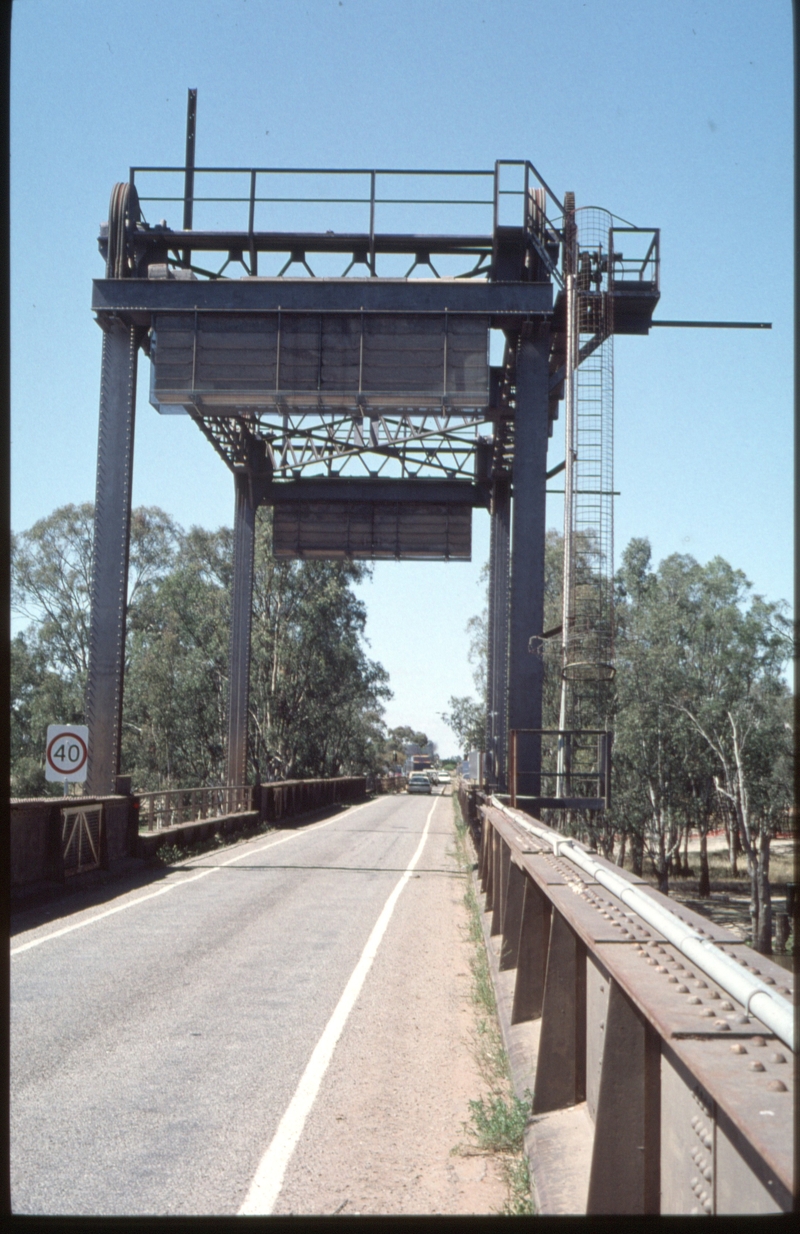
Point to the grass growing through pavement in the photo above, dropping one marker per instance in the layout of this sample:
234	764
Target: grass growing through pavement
497	1121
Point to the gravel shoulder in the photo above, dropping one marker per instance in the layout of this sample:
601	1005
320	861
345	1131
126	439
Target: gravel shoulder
396	1096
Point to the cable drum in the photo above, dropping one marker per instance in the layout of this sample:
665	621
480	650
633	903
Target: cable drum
123	215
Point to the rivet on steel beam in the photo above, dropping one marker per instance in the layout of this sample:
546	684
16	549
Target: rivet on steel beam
707	1173
754	1066
726	1006
672	978
742	1019
769	981
706	1011
738	1048
661	969
707	1140
758	1041
695	1121
777	1058
722	1025
713	993
784	989
701	985
707	1206
694	1001
776	1086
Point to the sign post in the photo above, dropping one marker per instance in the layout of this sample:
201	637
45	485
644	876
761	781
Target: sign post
67	753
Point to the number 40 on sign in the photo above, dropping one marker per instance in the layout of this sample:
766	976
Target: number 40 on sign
67	753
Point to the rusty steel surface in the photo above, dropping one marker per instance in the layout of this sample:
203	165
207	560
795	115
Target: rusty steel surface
753	1081
747	1072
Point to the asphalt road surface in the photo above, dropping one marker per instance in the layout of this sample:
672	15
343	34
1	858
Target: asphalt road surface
159	1036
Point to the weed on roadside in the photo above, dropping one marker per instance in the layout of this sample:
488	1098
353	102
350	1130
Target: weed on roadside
497	1121
498	1124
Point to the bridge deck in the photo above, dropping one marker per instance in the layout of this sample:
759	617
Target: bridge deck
157	1048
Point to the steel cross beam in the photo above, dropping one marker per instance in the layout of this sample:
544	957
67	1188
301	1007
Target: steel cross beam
137	299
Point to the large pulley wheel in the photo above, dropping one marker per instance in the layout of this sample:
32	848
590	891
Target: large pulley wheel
123	215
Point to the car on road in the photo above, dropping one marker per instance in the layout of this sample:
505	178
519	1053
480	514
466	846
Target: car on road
418	782
443	776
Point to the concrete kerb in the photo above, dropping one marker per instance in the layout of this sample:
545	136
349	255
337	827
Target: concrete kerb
184	835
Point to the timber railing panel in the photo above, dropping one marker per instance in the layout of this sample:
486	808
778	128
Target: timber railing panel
173	806
690	1095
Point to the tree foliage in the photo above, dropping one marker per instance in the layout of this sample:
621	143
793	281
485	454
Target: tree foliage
702	722
316	698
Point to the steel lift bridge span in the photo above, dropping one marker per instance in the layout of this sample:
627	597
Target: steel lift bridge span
341	371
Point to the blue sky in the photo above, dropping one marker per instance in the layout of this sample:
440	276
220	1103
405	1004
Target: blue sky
674	115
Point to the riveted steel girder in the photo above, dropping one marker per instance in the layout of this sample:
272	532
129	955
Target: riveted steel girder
110	555
244	525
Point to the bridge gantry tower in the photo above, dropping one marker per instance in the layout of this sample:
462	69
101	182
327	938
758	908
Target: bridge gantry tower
343	376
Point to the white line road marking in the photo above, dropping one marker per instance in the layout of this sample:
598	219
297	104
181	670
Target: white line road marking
266	1185
151	895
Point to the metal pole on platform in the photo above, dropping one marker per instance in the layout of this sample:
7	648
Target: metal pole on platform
188	177
244	527
112	519
525	671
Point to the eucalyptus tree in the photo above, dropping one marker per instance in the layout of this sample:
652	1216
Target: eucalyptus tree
702	724
51	565
738	705
175	700
316	699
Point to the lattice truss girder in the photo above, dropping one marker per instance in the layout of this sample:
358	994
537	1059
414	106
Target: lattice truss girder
401	443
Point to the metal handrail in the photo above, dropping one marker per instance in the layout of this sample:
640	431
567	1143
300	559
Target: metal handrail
755	995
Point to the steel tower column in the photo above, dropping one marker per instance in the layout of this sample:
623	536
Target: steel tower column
110	552
489	743
244	535
527	552
498	631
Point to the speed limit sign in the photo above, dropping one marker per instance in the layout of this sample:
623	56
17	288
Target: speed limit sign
67	753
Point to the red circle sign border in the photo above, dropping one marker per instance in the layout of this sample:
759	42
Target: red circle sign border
80	742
